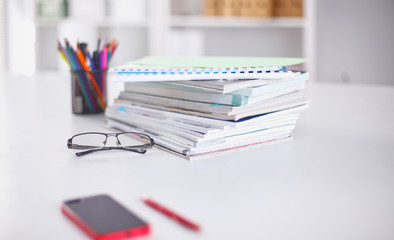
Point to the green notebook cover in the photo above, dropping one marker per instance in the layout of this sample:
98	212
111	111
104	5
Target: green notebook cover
218	62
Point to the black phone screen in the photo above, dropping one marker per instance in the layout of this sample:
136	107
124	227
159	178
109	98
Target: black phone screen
103	214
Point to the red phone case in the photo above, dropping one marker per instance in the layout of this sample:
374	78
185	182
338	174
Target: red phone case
122	234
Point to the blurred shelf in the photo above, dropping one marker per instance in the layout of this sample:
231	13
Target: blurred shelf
106	22
102	22
235	22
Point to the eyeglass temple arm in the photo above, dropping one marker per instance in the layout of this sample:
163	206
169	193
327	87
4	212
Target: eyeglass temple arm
141	151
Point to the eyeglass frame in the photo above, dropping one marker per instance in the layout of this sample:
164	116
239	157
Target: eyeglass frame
137	148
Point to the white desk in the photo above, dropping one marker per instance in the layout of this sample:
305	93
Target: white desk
335	180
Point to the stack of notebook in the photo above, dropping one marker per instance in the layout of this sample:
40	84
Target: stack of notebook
199	107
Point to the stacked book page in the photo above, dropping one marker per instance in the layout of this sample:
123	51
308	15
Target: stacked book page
199	117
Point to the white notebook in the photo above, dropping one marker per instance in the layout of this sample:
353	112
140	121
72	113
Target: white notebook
136	73
203	68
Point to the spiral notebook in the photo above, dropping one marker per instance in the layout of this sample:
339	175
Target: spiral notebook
204	68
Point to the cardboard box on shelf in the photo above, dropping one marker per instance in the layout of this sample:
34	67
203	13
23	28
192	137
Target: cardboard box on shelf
288	8
257	8
210	7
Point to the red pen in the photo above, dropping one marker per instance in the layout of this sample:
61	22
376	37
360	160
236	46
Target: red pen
171	214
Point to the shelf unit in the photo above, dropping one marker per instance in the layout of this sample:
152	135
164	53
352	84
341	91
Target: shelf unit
162	25
170	21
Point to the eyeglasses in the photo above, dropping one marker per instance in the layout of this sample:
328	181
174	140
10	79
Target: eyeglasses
96	141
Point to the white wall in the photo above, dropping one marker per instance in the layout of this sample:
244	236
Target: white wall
2	35
20	36
355	41
254	42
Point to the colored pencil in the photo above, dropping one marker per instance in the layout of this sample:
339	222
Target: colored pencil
92	79
83	85
103	66
92	65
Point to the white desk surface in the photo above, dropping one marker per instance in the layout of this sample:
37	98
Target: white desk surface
334	180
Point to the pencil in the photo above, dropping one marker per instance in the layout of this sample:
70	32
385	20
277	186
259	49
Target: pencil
85	80
98	43
113	51
93	80
92	65
103	66
63	53
63	56
103	58
83	87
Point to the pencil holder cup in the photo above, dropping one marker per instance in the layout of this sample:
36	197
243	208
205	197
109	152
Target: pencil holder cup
88	91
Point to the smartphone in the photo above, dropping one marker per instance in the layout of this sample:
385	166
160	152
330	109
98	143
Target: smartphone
102	217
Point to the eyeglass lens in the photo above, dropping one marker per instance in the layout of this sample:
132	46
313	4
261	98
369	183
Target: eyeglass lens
96	140
132	139
93	140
